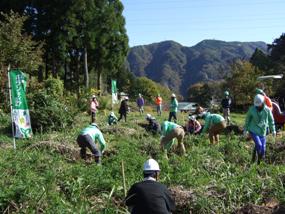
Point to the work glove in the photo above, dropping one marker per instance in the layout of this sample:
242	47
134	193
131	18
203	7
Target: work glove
274	134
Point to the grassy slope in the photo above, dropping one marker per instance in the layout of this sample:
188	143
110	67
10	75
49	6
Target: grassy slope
221	178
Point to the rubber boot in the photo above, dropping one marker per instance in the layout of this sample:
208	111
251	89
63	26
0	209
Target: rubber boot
98	160
259	158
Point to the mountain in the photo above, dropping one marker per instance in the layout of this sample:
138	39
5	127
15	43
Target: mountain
178	67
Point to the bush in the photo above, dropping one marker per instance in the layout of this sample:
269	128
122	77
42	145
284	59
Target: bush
54	87
49	113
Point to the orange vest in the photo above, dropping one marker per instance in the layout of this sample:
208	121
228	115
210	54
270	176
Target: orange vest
158	101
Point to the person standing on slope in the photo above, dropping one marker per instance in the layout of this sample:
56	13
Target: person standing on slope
124	108
140	103
258	119
158	103
149	196
173	108
94	105
267	100
226	105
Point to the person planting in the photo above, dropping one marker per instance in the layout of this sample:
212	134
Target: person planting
193	126
173	108
112	119
150	196
87	138
153	126
169	132
258	119
214	124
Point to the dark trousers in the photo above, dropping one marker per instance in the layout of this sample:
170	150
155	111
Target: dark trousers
93	117
172	114
123	115
86	141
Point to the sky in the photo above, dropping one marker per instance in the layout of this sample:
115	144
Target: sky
191	21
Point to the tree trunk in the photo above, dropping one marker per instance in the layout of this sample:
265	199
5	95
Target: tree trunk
46	71
40	74
99	80
78	76
86	74
54	74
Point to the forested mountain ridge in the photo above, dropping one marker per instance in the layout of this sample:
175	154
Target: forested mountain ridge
178	67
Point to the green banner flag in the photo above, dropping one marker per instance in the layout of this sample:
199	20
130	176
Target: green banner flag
114	92
20	111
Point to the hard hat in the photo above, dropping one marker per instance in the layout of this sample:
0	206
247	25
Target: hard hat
148	116
226	93
151	165
173	95
258	100
259	91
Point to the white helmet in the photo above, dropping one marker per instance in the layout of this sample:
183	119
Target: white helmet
148	116
173	95
258	100
112	114
151	165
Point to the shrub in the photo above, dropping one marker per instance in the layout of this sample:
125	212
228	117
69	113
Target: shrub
54	87
49	113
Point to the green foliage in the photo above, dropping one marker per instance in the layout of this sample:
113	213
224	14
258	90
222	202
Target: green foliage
54	87
219	178
49	112
148	88
18	49
242	83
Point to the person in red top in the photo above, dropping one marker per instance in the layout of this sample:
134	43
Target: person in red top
158	102
94	105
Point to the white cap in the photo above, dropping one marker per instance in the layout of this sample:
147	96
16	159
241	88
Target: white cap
148	116
140	94
258	100
126	98
151	165
192	117
112	114
93	96
173	95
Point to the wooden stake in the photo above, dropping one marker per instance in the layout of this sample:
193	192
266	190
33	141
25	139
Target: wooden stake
124	179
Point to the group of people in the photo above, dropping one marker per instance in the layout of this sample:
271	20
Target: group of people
149	196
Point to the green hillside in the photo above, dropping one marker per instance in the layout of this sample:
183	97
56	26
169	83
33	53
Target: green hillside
177	67
45	174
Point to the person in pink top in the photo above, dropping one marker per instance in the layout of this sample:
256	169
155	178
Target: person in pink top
94	105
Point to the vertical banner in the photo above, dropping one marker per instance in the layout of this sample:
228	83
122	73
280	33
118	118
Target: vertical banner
20	111
114	92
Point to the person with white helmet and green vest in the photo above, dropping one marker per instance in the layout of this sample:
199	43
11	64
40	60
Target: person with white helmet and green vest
258	119
173	108
87	138
226	105
150	196
112	119
169	132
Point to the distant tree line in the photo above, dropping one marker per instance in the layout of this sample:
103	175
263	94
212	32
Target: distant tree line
242	80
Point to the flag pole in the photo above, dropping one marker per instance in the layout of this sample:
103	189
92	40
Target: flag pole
11	107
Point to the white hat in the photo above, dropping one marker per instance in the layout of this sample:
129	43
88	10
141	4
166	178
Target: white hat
148	116
112	114
126	98
151	165
94	124
173	95
192	117
258	100
93	96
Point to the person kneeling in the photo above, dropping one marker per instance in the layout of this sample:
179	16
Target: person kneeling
153	126
112	119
